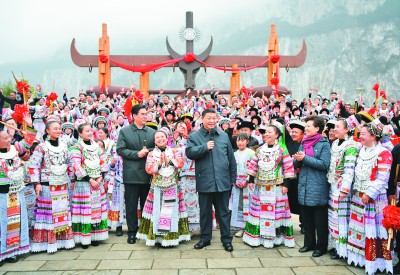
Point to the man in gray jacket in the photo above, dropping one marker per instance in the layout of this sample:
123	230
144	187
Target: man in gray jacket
134	143
215	173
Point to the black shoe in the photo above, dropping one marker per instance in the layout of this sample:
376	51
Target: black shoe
85	246
95	243
118	231
306	249
12	260
318	253
131	239
335	256
201	245
228	247
332	251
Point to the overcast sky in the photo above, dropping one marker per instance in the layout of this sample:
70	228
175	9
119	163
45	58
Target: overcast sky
40	31
31	30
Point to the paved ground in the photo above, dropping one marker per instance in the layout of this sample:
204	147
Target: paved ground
115	256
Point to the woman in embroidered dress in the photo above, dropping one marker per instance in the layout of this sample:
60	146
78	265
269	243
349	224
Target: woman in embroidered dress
114	189
164	218
269	222
41	112
14	231
367	238
29	189
239	202
187	179
48	170
344	152
89	204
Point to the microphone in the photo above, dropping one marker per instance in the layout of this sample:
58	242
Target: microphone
212	133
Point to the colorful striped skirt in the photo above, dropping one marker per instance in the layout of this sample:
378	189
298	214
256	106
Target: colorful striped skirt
367	238
191	198
30	199
89	213
45	236
269	222
338	219
116	202
14	238
164	217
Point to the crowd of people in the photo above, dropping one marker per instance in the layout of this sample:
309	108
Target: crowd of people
74	169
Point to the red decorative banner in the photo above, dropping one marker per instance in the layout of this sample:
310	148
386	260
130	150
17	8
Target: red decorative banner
188	58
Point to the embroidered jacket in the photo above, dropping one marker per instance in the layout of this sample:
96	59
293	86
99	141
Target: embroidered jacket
10	163
86	162
41	161
373	170
164	174
343	159
271	164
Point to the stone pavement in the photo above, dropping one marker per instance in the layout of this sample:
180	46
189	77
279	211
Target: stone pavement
115	256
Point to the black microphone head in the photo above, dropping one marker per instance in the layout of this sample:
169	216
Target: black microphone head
212	133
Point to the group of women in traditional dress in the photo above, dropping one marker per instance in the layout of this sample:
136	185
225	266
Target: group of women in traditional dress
79	191
342	193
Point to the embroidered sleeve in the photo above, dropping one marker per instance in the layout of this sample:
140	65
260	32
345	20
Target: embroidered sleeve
349	160
288	169
151	165
178	159
104	166
35	164
252	165
75	156
24	145
380	175
114	155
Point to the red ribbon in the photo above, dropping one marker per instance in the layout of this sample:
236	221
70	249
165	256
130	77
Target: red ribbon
231	69
103	58
189	57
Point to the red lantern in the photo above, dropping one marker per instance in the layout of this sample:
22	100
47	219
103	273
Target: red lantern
275	58
189	57
275	81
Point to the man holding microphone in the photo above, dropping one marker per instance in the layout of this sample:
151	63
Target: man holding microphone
215	173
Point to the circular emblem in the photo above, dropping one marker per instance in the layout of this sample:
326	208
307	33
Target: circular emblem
189	34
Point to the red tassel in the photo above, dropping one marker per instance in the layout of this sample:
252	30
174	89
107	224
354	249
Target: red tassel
19	111
53	96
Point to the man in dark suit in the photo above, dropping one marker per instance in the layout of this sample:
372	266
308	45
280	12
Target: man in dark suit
215	173
134	143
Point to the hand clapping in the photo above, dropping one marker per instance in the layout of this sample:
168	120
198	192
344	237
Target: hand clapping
299	156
